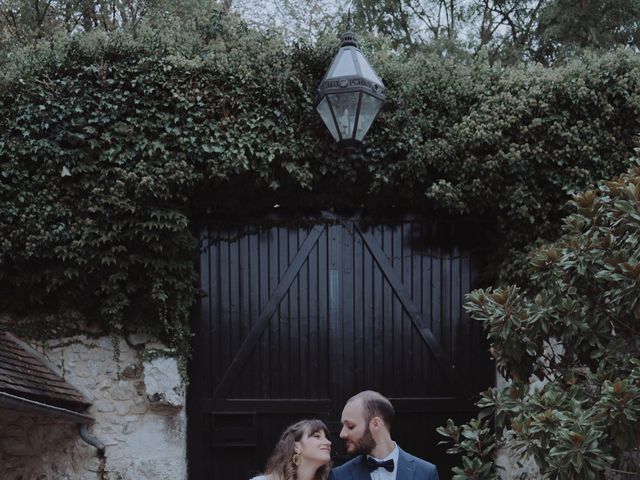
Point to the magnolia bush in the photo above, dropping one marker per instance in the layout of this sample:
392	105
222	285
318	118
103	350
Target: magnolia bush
575	328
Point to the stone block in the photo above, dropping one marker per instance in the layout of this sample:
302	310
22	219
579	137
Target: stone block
80	370
79	348
139	408
105	343
104	384
130	427
122	408
131	371
154	469
104	406
92	464
140	339
163	383
122	392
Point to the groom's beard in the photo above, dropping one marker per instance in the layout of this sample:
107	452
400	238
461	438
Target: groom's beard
365	444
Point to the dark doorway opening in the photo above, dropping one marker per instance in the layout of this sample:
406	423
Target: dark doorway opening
296	319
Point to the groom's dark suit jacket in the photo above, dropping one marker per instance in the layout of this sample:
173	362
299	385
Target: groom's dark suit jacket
409	468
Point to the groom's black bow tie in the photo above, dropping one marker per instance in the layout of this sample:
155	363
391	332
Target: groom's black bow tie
372	464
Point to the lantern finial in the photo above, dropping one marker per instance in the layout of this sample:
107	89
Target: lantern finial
349	38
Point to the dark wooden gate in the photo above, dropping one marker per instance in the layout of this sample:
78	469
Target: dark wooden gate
297	319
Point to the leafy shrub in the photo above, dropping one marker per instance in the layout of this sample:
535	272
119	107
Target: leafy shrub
576	329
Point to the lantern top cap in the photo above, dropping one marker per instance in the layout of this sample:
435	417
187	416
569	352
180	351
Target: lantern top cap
349	39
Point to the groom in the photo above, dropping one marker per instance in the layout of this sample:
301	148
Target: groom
366	427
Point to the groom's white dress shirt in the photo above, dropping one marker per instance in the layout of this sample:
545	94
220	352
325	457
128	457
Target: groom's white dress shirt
381	473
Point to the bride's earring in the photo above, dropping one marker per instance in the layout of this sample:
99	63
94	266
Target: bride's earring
296	459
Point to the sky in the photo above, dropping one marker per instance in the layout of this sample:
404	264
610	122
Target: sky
294	18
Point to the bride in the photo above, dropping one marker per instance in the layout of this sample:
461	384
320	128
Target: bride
302	453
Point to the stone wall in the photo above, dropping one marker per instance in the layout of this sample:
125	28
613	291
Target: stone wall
139	410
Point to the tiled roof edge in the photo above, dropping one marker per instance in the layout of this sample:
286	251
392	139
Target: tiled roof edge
54	369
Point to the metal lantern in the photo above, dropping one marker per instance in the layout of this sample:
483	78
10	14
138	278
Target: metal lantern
350	94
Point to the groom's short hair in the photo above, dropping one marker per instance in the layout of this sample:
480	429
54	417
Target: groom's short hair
375	405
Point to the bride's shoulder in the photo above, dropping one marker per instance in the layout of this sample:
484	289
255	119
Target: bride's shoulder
262	477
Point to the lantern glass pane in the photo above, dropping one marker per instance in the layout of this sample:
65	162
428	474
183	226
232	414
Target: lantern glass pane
325	113
365	67
345	106
344	64
368	111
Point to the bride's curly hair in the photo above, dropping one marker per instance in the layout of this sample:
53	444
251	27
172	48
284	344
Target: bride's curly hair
280	465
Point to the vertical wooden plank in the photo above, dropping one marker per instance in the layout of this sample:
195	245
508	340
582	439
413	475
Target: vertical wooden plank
446	303
244	307
254	299
202	325
436	305
405	248
235	325
455	306
467	347
349	302
377	354
224	302
294	339
216	308
305	378
283	316
324	340
475	340
202	352
274	326
313	315
335	306
367	320
264	289
424	273
386	361
410	357
359	313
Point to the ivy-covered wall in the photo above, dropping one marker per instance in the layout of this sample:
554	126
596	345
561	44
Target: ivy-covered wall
115	151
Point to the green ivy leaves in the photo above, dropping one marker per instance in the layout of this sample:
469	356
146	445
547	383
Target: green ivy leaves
115	151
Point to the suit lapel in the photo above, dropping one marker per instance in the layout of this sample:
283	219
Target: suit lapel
406	466
360	471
